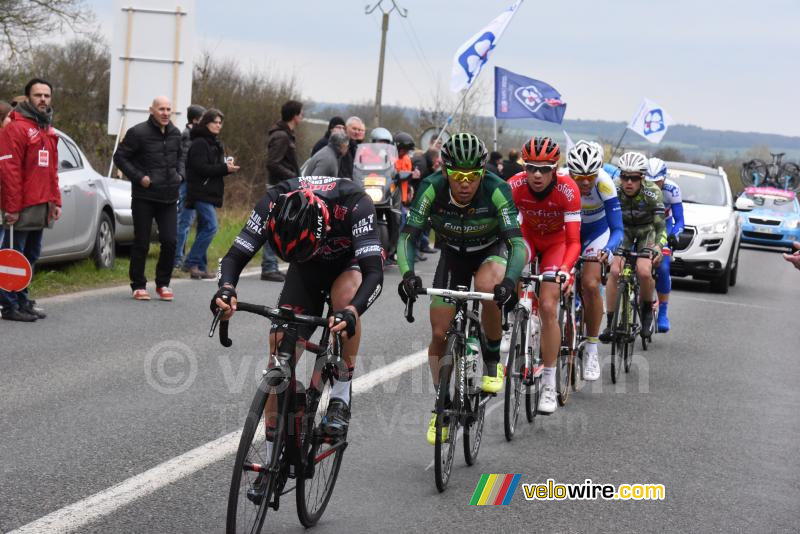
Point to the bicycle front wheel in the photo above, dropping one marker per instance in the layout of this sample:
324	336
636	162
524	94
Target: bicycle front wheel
566	357
618	329
321	456
446	415
515	370
257	477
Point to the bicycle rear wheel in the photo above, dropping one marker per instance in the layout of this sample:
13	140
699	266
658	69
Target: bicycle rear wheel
790	176
321	456
633	322
754	172
566	356
446	419
618	330
257	478
515	369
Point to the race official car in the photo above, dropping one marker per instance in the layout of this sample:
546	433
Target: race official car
774	219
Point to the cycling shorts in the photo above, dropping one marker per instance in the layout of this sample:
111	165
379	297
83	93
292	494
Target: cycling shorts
456	269
639	238
549	249
306	287
594	244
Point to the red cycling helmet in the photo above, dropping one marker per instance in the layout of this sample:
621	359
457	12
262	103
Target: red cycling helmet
297	225
541	150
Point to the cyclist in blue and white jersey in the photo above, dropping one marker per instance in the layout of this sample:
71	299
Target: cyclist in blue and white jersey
673	216
601	234
611	170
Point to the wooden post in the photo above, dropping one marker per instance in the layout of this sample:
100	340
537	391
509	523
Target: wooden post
177	58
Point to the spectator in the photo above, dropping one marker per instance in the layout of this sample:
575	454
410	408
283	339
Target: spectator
150	157
794	258
205	169
31	196
511	166
336	124
356	132
5	118
185	215
495	164
281	165
326	161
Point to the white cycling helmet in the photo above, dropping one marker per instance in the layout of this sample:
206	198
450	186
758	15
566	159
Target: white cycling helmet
584	158
632	162
381	135
599	148
656	170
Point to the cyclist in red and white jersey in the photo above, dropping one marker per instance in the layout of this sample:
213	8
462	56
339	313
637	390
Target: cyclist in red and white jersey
549	206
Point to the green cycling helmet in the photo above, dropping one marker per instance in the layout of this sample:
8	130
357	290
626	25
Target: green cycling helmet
464	151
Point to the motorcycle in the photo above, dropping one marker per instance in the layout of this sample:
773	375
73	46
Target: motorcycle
374	169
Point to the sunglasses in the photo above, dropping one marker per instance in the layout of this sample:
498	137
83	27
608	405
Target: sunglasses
464	176
584	177
630	177
544	169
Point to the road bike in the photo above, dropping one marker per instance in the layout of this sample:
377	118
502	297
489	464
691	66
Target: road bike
301	451
460	401
779	173
580	318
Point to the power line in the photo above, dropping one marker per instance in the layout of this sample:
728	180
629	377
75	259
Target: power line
418	49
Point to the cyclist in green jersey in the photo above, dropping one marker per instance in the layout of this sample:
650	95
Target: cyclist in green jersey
475	220
642	205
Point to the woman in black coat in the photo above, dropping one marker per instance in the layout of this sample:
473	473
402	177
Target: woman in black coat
206	167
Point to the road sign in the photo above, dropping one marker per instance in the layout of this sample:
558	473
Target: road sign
15	270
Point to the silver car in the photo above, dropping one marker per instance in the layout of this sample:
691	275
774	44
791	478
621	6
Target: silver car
89	219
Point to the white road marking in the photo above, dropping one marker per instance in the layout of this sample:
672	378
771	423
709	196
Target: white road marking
726	302
76	515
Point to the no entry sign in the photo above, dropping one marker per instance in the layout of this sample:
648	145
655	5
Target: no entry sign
15	270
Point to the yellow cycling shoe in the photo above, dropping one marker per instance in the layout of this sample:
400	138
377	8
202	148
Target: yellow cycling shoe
493	384
432	431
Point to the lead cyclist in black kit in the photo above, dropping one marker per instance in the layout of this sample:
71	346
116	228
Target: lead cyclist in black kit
326	229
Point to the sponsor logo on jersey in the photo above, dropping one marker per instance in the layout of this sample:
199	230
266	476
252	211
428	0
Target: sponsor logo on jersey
565	190
368	250
374	295
255	223
340	212
364	226
243	243
466	228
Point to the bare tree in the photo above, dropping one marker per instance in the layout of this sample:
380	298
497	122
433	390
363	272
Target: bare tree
22	21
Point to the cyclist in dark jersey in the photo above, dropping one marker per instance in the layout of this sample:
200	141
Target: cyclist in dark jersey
325	228
474	217
642	206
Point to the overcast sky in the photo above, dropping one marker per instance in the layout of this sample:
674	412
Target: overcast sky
730	65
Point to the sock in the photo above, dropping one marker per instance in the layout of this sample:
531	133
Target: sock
591	345
269	451
662	308
341	384
549	376
491	356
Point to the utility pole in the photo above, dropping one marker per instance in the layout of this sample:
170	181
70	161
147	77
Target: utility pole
384	29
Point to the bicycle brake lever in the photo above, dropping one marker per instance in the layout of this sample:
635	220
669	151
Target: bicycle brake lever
215	322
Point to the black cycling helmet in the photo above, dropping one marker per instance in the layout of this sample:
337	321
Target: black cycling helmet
297	225
404	141
464	151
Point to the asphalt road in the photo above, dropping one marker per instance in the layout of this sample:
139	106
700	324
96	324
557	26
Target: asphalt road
107	388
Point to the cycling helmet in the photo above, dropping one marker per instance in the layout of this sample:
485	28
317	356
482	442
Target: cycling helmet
541	150
584	158
656	170
381	135
599	148
464	150
297	224
632	162
404	141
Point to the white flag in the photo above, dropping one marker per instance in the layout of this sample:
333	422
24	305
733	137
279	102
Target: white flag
570	142
474	54
651	121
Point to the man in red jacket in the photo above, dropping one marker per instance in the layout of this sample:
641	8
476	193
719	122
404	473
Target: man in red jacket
29	175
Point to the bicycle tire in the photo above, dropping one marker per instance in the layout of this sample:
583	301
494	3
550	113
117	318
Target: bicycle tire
244	492
565	358
631	329
754	172
515	369
321	457
472	409
444	450
617	345
790	176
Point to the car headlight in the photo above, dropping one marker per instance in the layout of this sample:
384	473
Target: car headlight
791	225
714	228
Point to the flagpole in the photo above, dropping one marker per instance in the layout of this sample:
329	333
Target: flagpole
613	152
450	117
495	134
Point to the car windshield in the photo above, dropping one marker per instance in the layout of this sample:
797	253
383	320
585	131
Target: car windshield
782	205
699	187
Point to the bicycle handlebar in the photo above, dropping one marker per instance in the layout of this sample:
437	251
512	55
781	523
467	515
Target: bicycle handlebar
453	294
557	278
279	314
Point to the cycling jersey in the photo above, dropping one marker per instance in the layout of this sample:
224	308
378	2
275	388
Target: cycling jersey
600	213
353	236
673	207
611	170
488	219
550	225
643	217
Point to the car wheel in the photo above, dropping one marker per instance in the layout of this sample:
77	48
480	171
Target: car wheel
735	271
103	253
720	284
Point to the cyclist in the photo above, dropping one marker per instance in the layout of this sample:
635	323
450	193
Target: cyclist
601	234
325	228
643	218
550	208
673	217
474	217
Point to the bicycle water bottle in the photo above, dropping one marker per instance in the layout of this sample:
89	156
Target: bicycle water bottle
473	354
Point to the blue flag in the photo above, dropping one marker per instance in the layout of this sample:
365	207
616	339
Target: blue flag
518	97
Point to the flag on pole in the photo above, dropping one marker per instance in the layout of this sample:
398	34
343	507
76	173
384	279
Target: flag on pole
570	142
519	97
650	121
474	54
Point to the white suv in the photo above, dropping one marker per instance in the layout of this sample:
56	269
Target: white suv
708	248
